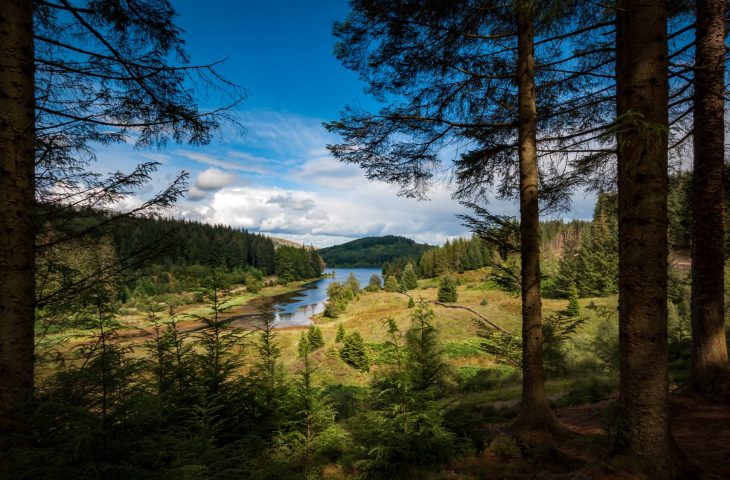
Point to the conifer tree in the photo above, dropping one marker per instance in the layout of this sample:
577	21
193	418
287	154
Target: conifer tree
315	338
409	280
447	289
303	347
218	340
340	333
353	352
77	76
391	284
426	366
573	309
268	372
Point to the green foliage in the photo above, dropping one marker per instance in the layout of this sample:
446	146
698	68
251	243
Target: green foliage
220	344
557	330
339	295
587	391
407	445
353	285
314	432
404	435
463	348
411	303
426	368
268	373
605	343
447	289
591	263
679	323
476	379
507	347
294	263
374	285
340	333
507	276
457	255
181	243
315	338
391	284
331	310
573	309
353	352
408	279
372	251
679	205
303	347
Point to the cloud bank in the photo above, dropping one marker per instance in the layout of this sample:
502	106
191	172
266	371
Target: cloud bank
280	179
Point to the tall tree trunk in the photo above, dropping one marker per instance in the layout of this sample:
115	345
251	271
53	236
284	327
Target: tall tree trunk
642	96
17	190
535	413
710	367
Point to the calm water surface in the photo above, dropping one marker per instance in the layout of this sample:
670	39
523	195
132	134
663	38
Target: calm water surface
296	308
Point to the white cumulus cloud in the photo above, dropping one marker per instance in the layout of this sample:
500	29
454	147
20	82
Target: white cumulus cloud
213	179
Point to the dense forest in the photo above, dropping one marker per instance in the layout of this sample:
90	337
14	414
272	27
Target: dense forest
133	346
373	252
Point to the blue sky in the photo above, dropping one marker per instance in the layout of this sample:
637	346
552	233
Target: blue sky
278	178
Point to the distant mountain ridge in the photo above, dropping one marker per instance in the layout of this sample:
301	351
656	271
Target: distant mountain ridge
372	251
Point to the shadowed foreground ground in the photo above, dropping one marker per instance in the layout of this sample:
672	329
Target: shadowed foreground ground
702	431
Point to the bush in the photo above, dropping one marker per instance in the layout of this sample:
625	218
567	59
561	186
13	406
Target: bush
605	344
591	390
476	379
374	285
470	347
388	450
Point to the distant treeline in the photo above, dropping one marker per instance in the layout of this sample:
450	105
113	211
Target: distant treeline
144	257
184	242
373	252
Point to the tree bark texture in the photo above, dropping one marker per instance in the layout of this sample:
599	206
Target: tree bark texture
535	413
710	368
642	126
17	191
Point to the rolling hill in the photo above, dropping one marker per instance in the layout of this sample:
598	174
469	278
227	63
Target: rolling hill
372	251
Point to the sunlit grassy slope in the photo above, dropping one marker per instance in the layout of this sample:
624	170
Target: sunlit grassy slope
456	327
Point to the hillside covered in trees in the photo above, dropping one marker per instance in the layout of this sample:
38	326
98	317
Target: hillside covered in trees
133	346
373	252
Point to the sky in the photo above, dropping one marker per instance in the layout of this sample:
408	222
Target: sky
277	177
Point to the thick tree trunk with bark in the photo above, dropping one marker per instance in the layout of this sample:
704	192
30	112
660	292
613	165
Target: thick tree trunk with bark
17	237
710	368
535	413
642	123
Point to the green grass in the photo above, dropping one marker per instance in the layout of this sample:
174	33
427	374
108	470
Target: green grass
457	329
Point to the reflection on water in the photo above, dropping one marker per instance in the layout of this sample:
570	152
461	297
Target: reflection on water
296	308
